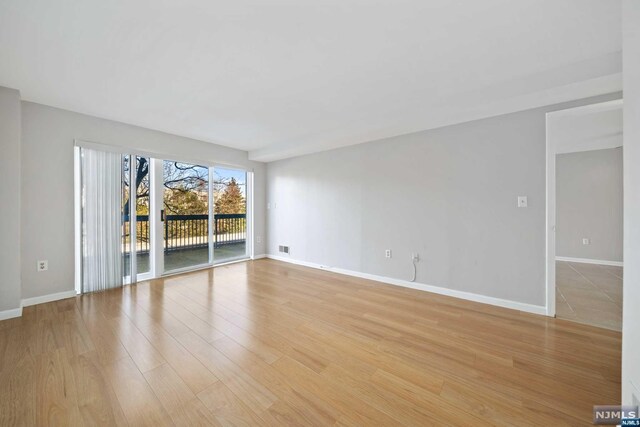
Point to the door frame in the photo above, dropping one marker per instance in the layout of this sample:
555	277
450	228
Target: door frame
550	223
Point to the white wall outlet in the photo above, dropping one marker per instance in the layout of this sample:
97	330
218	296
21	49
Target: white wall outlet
43	265
415	257
586	241
522	201
387	253
258	239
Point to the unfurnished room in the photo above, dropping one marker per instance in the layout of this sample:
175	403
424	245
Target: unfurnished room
319	213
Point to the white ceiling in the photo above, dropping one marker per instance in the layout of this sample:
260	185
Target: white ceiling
591	127
282	78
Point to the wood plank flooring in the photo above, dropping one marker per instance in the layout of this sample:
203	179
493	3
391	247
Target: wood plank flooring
269	343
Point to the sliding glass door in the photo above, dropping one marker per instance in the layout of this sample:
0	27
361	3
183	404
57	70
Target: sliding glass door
230	214
140	217
143	228
126	218
185	215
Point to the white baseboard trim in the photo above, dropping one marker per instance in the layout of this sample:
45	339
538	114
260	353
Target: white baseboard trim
590	261
48	298
10	314
259	256
514	305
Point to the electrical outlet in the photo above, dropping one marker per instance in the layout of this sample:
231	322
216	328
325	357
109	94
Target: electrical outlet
522	201
258	239
387	253
586	241
43	265
415	257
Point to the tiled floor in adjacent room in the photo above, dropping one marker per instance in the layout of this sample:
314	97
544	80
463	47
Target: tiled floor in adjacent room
590	294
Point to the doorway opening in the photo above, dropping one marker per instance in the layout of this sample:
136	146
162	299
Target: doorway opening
585	215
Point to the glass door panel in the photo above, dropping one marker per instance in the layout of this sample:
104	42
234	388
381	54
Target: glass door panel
143	235
126	220
186	215
230	214
140	251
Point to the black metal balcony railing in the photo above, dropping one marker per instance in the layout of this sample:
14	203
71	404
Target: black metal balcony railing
191	231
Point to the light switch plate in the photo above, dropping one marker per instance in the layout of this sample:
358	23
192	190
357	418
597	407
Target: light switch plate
522	201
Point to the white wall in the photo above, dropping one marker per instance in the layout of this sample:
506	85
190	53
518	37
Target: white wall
9	201
631	297
449	194
47	184
589	204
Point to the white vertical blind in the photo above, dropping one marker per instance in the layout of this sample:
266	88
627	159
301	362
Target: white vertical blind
101	176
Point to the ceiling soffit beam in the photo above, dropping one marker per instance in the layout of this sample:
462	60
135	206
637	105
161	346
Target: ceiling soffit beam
593	77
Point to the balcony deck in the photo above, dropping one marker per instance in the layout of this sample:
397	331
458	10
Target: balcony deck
186	240
188	257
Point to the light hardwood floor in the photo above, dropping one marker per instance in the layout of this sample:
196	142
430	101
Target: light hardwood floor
268	343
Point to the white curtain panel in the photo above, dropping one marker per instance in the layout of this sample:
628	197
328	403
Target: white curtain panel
101	176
